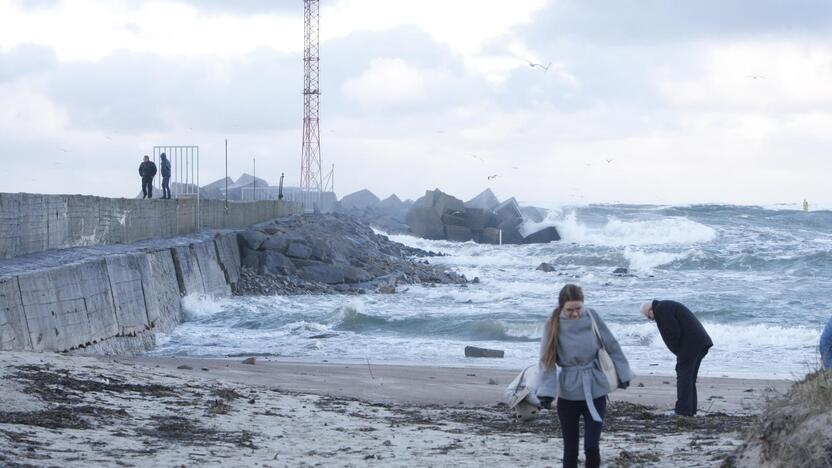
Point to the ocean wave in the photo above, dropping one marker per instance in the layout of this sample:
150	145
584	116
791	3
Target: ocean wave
732	338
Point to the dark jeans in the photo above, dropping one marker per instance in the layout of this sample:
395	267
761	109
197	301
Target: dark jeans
147	187
569	414
686	372
165	187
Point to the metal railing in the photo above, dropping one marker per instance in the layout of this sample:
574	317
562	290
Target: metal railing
184	175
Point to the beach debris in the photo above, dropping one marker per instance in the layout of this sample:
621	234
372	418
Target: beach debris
185	367
250	361
475	352
493	381
545	267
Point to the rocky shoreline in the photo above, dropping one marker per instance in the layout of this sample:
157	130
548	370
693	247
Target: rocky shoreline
330	253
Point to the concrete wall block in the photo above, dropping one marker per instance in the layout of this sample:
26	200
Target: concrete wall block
228	253
57	222
82	220
213	277
128	274
14	332
98	298
122	345
187	271
9	224
162	294
33	224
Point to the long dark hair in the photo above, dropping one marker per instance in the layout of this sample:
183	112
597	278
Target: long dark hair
570	292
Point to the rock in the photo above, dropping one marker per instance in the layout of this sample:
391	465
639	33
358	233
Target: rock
458	233
509	211
321	250
390	205
354	275
490	235
441	202
250	258
475	219
545	267
620	271
485	201
298	250
251	239
327	274
475	352
533	214
387	289
250	361
276	263
454	218
359	200
476	280
276	242
510	232
543	236
425	222
185	367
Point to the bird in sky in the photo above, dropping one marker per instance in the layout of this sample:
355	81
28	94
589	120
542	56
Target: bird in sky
545	68
478	158
610	160
756	77
492	177
65	150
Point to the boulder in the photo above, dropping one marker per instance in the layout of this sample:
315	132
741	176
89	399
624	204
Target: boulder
251	239
321	250
621	271
475	352
276	263
250	361
390	205
441	202
458	233
510	232
509	210
490	235
250	258
545	267
485	201
354	275
533	214
425	222
298	250
359	200
475	219
323	273
277	242
454	218
543	236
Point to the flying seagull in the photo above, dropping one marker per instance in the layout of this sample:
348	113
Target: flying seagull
492	177
756	77
479	158
545	68
610	160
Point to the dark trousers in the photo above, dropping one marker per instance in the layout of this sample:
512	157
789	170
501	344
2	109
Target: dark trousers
147	187
686	372
569	414
165	187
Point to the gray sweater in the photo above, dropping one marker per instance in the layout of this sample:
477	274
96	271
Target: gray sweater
580	376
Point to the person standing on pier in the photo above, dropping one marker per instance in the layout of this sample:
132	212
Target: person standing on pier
147	171
165	176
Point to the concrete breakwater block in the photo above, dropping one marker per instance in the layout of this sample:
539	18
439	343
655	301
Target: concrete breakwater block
475	352
543	236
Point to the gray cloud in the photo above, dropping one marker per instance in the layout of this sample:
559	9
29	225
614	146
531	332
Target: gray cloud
654	21
24	60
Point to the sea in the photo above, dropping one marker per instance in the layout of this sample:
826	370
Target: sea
757	277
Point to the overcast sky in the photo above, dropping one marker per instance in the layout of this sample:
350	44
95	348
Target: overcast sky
645	101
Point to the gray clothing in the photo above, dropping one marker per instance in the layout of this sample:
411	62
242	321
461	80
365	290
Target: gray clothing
580	376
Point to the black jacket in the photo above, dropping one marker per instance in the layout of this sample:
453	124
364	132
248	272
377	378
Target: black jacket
681	331
147	169
165	163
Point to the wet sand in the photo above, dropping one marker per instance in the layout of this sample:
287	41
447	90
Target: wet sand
60	410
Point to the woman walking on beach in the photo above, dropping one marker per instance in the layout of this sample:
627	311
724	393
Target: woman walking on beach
571	343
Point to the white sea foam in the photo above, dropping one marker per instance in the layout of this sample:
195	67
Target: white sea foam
641	260
196	306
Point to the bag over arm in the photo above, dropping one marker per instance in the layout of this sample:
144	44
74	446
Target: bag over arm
622	366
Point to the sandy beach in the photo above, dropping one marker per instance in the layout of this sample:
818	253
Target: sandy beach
61	410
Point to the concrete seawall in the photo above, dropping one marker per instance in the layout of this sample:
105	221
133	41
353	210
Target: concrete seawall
110	300
32	223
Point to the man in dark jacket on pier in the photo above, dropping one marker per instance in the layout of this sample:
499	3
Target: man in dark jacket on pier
685	337
165	176
147	171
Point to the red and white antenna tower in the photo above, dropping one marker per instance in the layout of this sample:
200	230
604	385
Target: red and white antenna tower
311	177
